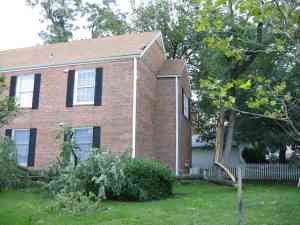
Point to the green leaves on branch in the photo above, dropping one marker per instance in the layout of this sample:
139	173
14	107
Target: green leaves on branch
221	92
266	97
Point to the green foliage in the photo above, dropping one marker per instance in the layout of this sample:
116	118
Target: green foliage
59	16
103	21
248	65
146	180
10	175
255	154
113	177
175	19
7	104
74	203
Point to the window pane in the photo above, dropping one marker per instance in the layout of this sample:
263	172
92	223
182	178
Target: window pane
86	78
186	106
83	135
24	90
24	99
22	154
85	95
83	138
21	136
26	83
83	151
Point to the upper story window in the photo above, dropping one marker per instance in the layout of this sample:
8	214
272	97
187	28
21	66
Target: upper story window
21	138
186	106
83	138
24	91
84	88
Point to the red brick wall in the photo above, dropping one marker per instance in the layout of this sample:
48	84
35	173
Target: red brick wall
114	116
165	122
185	127
146	101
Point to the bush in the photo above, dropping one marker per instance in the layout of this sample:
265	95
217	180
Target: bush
93	175
113	177
145	180
74	203
10	174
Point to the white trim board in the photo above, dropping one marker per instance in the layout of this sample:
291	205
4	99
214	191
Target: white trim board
158	38
134	107
70	63
177	126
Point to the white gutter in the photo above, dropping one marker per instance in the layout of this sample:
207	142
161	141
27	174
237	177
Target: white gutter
177	126
134	107
70	63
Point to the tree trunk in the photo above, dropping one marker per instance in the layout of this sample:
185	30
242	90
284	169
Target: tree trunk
219	137
229	137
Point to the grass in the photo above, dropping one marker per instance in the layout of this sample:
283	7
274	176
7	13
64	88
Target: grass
194	204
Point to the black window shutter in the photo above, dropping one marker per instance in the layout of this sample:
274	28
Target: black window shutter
70	88
67	135
8	133
98	87
182	99
13	85
96	137
32	144
190	106
36	91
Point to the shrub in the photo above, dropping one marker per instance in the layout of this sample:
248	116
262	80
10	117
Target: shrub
10	174
113	177
74	203
145	180
93	175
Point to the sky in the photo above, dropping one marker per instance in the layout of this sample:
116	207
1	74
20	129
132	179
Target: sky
20	24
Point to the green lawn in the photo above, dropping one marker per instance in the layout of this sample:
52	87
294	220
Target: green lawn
193	204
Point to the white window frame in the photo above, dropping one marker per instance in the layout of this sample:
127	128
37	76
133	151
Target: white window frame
76	102
13	138
83	128
19	91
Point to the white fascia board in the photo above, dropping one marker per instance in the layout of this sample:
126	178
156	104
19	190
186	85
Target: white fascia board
158	38
70	63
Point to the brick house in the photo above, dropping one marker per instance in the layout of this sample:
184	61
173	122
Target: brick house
119	92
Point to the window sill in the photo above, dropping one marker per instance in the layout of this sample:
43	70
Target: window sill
84	104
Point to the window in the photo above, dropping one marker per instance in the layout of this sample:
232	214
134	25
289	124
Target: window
24	91
83	138
84	86
186	106
22	138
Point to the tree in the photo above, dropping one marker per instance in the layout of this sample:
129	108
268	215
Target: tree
175	20
59	15
247	45
103	21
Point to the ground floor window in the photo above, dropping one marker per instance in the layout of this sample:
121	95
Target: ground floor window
21	138
83	138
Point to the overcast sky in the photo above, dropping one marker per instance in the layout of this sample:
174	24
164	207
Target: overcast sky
20	24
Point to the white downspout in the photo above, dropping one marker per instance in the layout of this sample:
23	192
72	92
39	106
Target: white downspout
134	107
177	127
